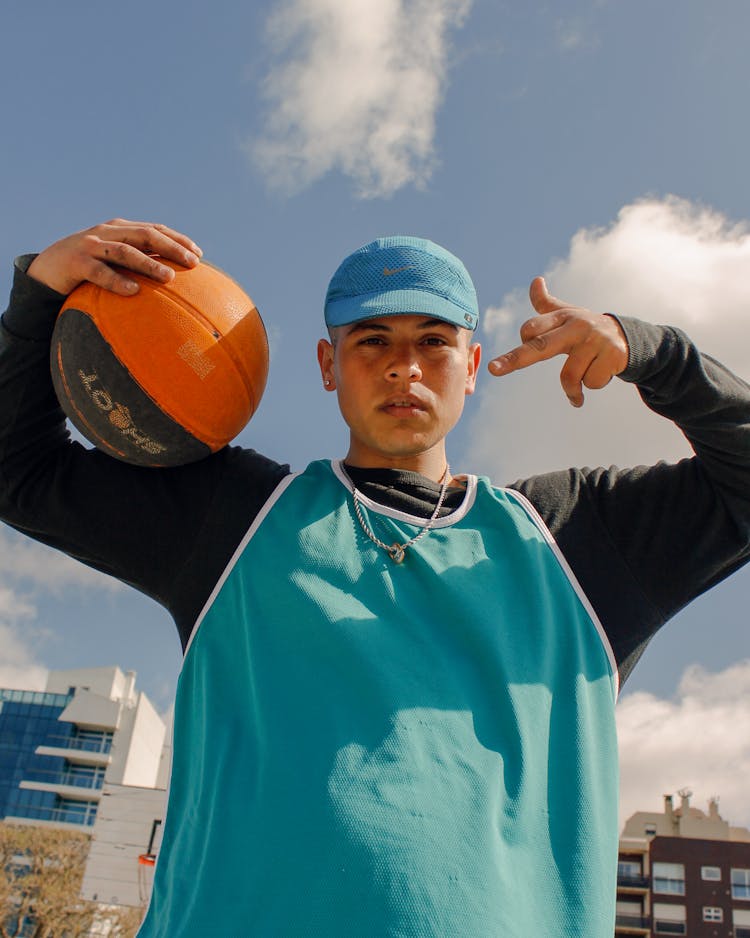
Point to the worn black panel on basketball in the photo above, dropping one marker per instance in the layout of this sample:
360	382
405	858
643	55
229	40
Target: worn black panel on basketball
112	409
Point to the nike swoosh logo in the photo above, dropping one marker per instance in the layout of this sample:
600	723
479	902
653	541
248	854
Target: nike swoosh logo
389	272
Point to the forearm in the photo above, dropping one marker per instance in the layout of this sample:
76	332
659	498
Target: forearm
167	532
135	525
645	541
51	487
709	404
32	425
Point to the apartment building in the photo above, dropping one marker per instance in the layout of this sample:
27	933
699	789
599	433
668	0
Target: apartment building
59	746
683	872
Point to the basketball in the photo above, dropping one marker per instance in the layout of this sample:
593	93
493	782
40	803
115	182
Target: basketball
164	377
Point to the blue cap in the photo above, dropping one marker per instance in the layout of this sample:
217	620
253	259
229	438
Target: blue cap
398	276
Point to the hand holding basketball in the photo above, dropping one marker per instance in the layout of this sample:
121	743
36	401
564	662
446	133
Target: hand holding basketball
157	359
89	255
594	343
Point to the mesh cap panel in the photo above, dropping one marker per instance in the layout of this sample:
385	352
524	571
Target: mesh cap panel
400	275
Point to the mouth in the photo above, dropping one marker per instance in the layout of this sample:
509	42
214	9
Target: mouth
407	406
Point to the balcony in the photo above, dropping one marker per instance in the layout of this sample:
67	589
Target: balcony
632	925
85	740
76	754
631	882
70	817
72	790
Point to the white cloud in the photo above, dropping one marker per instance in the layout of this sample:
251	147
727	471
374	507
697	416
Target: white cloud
356	89
34	568
18	665
574	36
24	559
699	740
663	261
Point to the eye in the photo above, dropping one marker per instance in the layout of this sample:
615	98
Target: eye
371	340
434	340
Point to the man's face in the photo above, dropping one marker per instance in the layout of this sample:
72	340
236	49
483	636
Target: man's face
401	383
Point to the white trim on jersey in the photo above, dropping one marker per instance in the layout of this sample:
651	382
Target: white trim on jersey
259	518
455	516
536	518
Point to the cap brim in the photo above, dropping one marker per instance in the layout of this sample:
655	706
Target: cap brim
344	311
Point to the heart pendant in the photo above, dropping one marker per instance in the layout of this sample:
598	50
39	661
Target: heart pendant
396	552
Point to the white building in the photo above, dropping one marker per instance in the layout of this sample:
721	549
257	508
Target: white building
61	745
88	754
126	839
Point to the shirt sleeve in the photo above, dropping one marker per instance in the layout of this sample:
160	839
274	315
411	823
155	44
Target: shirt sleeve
156	529
643	542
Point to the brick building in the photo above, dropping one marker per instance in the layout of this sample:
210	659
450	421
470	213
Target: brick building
683	872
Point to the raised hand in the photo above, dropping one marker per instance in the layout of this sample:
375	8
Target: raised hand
594	343
96	254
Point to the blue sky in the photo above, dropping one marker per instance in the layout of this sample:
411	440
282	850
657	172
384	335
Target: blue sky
603	144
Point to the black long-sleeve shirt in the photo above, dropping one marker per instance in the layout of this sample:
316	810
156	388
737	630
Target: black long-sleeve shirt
642	542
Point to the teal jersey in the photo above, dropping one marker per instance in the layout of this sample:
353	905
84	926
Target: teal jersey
369	749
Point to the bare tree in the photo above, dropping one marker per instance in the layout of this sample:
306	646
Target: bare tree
41	870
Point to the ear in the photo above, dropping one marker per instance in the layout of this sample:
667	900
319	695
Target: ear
475	356
325	360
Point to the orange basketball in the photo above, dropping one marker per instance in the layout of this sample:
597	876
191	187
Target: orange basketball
164	377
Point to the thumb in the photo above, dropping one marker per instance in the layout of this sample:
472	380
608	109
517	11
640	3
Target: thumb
542	300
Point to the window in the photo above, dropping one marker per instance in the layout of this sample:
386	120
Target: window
86	740
75	812
664	927
629	914
630	873
650	830
84	776
741	884
669	919
629	907
712	913
711	873
670	878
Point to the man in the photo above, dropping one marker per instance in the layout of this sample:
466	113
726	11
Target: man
395	715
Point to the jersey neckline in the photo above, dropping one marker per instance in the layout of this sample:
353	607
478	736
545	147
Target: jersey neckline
337	465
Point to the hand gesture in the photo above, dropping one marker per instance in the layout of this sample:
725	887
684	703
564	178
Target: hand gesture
103	255
594	343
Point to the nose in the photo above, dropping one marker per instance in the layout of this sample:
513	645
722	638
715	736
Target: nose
404	365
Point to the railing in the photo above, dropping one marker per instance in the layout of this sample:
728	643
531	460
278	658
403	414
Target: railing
79	781
93	780
103	745
663	927
635	882
58	815
633	921
38	698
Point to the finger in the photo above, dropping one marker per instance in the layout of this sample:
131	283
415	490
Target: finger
585	368
125	255
572	374
156	239
542	300
538	325
177	236
539	348
110	279
599	373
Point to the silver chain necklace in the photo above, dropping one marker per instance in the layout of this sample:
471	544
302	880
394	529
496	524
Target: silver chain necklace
397	551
